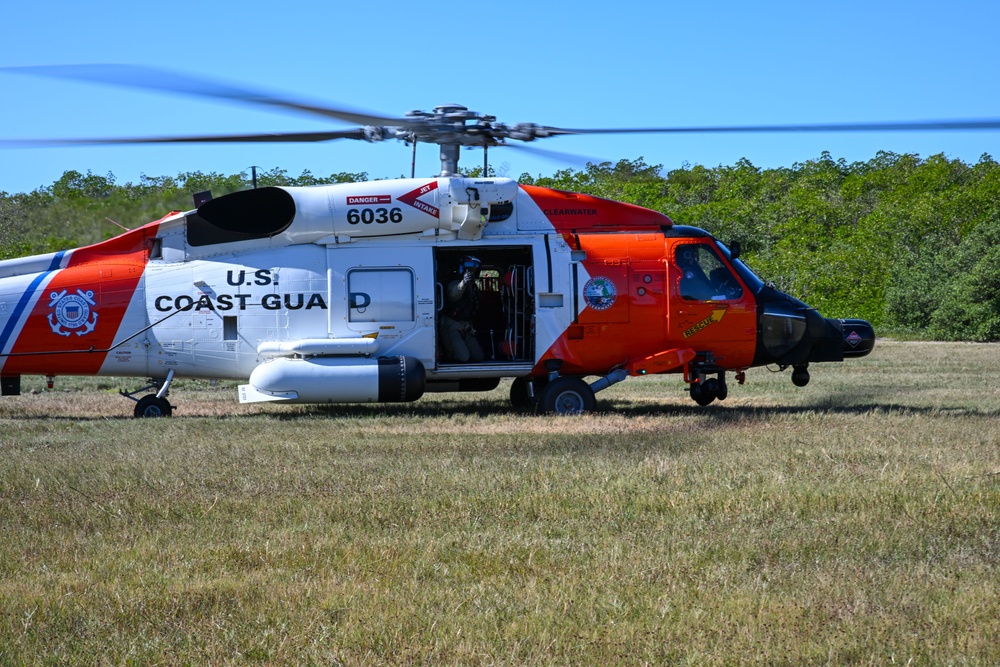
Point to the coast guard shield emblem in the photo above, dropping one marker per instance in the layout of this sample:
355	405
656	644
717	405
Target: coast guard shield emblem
72	313
600	293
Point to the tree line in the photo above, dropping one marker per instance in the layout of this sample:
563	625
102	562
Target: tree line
911	244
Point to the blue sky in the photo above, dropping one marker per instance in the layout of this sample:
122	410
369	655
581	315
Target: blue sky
568	64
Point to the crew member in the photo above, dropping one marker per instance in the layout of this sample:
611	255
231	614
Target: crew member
458	337
695	285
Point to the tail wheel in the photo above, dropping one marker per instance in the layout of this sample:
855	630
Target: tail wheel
151	406
567	396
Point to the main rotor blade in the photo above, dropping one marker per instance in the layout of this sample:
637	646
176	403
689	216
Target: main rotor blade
917	125
357	133
556	156
150	78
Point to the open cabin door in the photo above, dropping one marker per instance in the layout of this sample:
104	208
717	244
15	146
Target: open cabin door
504	319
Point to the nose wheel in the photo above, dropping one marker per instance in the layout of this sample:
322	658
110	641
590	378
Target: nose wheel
704	390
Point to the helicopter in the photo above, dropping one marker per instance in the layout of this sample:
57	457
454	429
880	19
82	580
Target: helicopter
339	293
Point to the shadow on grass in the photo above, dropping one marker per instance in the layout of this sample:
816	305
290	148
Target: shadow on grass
629	409
744	413
492	408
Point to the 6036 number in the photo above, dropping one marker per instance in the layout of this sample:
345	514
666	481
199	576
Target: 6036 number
367	216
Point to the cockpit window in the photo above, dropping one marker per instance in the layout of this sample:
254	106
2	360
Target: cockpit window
745	272
704	276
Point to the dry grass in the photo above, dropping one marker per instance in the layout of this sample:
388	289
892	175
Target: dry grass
851	522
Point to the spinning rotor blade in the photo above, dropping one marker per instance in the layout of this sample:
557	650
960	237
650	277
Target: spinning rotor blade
357	133
136	76
449	126
917	125
557	156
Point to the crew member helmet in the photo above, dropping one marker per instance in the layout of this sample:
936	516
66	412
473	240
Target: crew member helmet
469	263
687	255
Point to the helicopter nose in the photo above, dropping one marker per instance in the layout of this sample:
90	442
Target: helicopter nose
792	334
836	340
859	337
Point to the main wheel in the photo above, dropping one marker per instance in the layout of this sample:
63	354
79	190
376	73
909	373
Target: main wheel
567	396
151	406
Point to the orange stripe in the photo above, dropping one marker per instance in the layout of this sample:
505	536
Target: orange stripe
106	273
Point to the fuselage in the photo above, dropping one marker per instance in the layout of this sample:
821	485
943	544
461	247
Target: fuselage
306	292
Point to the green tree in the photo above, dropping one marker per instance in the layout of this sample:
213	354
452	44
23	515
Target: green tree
907	243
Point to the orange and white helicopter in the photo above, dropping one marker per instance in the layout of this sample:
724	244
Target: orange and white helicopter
339	293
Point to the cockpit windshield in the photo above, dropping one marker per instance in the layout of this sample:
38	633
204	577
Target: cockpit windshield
749	278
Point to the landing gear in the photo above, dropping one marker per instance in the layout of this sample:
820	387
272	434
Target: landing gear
152	405
567	396
521	397
705	392
564	395
560	394
704	389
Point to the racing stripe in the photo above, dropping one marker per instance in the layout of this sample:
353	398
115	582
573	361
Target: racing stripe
76	317
22	303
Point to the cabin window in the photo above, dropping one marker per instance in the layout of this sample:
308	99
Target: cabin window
380	295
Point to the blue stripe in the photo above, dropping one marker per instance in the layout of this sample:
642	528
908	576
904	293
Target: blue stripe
57	260
25	299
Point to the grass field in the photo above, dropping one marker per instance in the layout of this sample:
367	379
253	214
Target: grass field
855	521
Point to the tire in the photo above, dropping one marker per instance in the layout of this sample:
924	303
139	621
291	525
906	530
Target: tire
703	393
567	396
722	393
150	406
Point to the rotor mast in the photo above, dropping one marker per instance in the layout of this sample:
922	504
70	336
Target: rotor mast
449	159
450	128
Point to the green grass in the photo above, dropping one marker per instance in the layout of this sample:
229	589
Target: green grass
854	521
